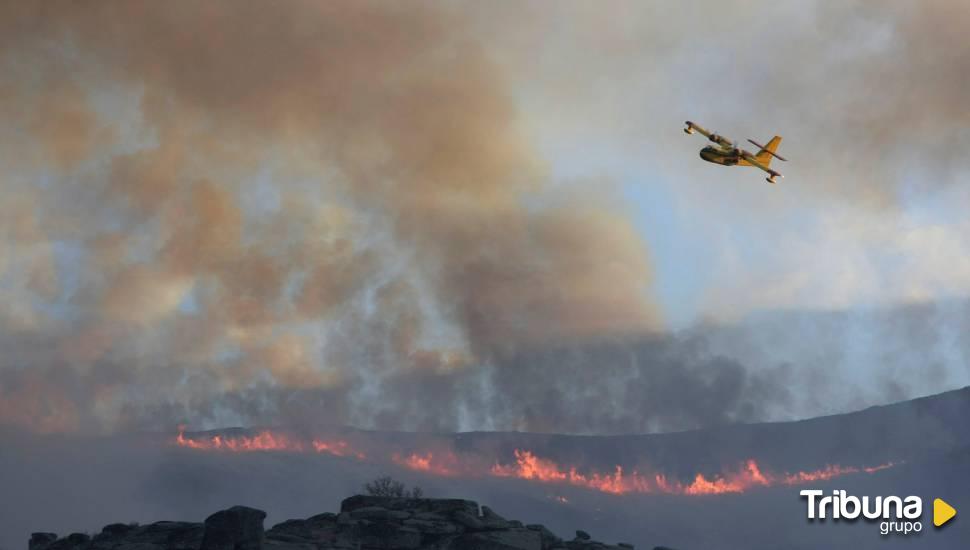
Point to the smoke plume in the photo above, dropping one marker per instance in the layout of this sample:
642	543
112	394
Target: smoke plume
325	212
222	208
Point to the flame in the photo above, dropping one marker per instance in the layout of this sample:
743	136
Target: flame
528	466
337	448
830	472
262	441
446	464
266	440
749	475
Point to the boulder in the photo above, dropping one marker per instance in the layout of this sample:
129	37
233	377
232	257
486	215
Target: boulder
74	541
325	518
491	520
344	519
303	530
117	529
548	538
171	535
162	535
389	536
371	512
39	541
299	527
79	538
430	516
442	506
433	527
238	528
468	521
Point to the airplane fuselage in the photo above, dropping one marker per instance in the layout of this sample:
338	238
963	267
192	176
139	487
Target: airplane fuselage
717	155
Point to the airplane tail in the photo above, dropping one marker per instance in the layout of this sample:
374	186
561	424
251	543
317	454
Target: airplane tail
768	151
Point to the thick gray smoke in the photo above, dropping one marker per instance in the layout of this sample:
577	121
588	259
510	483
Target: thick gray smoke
219	209
323	212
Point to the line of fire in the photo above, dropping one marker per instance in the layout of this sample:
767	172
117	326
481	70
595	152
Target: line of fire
527	465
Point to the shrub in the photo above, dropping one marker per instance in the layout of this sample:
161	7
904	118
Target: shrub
386	486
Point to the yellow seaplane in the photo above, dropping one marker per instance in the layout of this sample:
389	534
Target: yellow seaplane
727	153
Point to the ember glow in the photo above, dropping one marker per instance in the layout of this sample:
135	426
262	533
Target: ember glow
749	475
262	441
442	464
337	448
831	471
528	466
266	440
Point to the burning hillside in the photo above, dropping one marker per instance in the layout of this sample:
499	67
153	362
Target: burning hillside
527	465
638	488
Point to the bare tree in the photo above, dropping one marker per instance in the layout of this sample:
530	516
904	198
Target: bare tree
386	486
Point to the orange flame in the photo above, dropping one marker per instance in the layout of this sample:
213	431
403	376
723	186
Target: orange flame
265	440
262	441
442	465
749	475
337	448
528	466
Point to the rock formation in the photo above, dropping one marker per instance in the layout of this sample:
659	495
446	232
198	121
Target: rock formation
364	523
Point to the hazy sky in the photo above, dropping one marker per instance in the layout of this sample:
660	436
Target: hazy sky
456	216
865	97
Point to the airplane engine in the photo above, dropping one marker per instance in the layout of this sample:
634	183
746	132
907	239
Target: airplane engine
688	130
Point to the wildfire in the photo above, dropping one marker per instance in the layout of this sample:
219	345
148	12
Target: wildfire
446	464
528	466
748	476
266	440
337	448
829	472
262	441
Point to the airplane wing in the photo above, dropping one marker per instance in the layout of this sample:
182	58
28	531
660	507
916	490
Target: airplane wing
755	162
690	128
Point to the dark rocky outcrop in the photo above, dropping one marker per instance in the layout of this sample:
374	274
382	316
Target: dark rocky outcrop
364	523
238	528
40	540
167	535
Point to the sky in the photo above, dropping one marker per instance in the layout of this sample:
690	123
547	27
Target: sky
478	216
886	210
